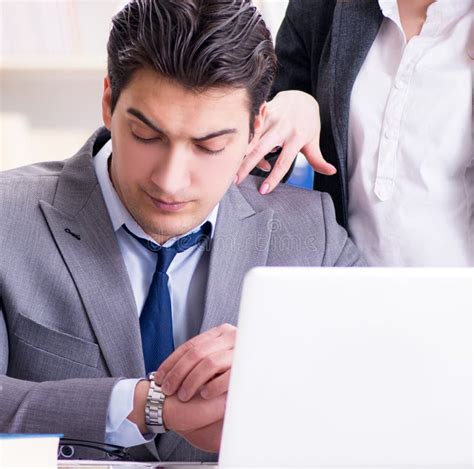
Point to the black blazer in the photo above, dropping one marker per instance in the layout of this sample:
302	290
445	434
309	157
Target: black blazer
321	46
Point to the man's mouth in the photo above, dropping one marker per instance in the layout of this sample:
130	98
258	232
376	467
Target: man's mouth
168	205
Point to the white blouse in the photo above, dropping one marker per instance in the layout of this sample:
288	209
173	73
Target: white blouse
410	160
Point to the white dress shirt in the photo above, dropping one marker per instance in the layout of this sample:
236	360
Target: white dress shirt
410	163
187	283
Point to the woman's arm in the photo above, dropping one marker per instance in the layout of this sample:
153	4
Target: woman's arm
292	118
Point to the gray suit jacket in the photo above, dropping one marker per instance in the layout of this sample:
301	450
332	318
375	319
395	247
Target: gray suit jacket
69	327
321	47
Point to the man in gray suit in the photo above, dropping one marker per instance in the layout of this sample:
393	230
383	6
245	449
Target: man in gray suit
129	257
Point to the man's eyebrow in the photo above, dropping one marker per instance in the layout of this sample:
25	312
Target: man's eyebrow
145	120
219	133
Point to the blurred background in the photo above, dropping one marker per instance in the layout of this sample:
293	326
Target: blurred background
52	65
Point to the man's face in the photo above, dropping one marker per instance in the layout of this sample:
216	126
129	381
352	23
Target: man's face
175	152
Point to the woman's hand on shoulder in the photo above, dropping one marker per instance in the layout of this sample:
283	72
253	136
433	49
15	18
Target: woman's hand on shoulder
292	123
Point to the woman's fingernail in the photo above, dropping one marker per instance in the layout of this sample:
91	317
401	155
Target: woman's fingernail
264	188
236	179
182	395
159	377
204	393
166	388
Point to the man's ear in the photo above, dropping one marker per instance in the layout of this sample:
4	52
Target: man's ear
258	126
107	103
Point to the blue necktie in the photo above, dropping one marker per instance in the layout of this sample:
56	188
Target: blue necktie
156	320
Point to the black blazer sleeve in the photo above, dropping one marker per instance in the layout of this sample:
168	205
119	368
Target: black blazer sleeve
299	44
321	46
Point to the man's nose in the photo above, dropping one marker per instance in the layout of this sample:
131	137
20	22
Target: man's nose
174	174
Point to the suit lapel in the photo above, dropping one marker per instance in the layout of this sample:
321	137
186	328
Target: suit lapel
241	241
96	264
355	26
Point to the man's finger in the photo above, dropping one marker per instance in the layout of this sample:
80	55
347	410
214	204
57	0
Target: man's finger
211	366
176	376
219	385
195	354
171	361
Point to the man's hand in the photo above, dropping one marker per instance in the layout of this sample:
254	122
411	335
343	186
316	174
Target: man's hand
195	378
201	365
292	122
206	439
194	415
199	420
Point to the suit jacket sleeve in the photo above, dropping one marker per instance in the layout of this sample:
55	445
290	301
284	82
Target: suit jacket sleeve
340	251
293	56
299	44
75	407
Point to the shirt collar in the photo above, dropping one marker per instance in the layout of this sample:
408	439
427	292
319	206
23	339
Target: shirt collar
388	7
440	14
118	213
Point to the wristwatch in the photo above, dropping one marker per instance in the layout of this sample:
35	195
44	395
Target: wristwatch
154	407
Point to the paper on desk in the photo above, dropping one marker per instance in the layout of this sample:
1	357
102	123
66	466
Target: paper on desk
28	451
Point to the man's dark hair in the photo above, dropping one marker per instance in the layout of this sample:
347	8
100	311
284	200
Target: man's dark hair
199	43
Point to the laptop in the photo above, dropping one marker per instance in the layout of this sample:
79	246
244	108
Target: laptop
345	368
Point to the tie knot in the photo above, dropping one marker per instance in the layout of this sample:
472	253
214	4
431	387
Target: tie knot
167	254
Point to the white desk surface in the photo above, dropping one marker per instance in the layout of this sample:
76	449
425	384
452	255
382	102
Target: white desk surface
83	464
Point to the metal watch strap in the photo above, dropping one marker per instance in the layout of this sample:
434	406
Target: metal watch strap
154	407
